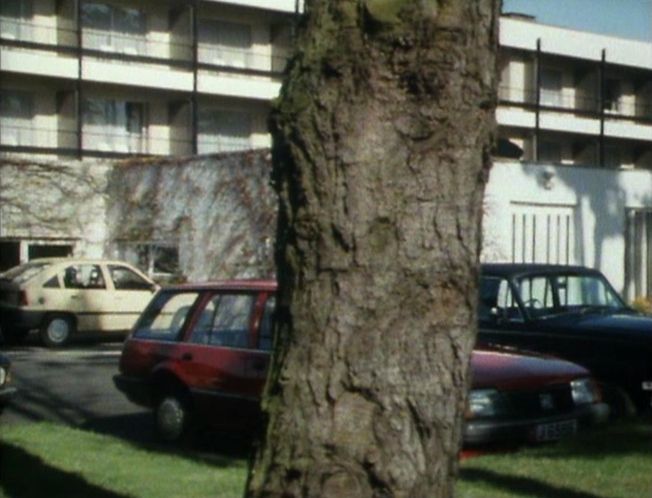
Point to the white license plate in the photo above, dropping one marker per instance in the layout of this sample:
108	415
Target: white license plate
647	385
555	430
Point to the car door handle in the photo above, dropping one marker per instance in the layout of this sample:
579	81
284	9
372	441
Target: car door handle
186	357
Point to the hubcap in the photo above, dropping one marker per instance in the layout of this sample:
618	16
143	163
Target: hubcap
58	330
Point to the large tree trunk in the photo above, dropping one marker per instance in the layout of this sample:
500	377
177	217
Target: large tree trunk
381	152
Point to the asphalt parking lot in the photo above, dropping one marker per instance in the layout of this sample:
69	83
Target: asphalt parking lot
74	386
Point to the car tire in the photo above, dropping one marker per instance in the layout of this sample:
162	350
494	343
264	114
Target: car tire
57	330
173	417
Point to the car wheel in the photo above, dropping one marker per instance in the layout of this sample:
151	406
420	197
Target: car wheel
56	330
173	417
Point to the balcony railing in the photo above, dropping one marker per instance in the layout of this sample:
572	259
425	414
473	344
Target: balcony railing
112	142
142	49
636	108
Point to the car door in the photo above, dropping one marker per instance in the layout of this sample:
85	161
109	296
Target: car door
84	293
129	293
217	349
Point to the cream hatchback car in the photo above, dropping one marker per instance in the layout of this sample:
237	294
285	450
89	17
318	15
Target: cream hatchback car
62	297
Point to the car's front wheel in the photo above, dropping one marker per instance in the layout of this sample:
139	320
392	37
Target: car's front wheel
173	416
56	330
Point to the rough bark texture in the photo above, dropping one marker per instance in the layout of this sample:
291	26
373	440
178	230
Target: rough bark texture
382	137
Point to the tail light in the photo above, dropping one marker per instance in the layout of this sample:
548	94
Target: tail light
22	298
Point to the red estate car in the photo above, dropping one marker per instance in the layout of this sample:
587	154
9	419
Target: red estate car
198	356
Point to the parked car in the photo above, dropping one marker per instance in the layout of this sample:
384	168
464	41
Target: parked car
199	356
62	297
6	390
574	313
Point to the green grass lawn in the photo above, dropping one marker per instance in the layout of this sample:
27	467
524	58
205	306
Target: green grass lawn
49	460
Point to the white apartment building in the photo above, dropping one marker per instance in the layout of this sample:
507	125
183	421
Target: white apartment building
577	98
82	79
104	78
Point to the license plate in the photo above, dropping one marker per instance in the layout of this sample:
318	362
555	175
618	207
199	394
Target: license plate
555	430
647	385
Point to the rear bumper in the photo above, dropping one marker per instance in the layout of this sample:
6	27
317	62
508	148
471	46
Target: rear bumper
478	432
136	390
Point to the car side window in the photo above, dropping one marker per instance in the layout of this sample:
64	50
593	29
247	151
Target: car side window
497	300
126	279
164	318
225	321
83	276
537	294
52	283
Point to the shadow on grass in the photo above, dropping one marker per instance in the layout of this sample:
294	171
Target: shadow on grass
527	486
219	449
27	476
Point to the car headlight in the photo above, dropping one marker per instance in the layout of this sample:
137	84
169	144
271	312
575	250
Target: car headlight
3	376
585	391
484	403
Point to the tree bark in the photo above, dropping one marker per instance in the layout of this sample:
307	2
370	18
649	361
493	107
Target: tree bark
381	150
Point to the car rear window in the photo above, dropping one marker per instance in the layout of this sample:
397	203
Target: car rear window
163	319
23	273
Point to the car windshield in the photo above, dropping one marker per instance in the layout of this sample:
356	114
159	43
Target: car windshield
548	295
24	272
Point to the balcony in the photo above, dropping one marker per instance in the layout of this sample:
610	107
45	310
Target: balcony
150	60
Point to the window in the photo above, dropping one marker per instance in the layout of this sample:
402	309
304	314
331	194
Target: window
16	117
84	276
125	279
158	260
638	254
550	152
52	283
497	300
225	321
15	19
550	91
223	131
612	156
612	93
164	318
114	125
113	28
224	43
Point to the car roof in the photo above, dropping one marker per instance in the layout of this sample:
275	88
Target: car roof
268	285
78	260
512	270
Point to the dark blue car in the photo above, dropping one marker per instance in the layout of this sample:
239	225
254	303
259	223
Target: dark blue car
574	313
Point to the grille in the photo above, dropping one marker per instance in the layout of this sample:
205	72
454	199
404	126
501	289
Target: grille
552	400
